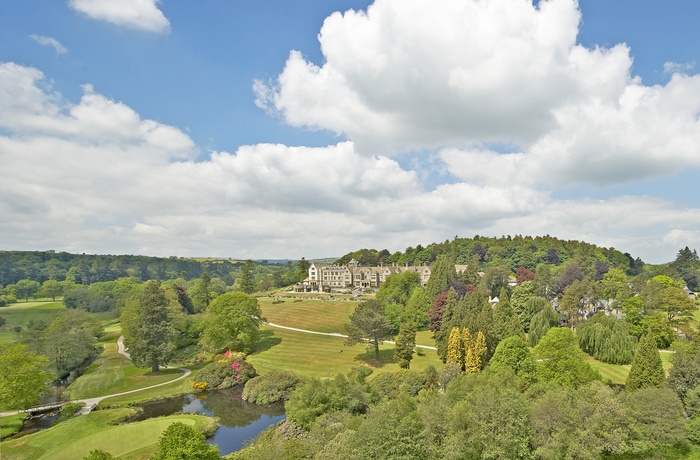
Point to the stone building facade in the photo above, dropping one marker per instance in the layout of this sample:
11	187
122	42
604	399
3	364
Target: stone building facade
325	278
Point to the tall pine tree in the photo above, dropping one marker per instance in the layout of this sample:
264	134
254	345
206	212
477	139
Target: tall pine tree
647	370
147	326
405	341
505	322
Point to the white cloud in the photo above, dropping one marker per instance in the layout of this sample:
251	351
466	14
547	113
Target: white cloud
92	174
463	75
135	14
677	67
49	41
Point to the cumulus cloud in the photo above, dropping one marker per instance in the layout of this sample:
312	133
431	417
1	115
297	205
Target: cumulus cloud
135	14
463	75
49	41
497	92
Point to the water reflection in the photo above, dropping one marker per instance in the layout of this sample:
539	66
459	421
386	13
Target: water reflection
239	421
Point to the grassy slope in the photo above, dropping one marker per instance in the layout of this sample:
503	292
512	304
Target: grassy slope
19	314
11	424
76	437
113	373
322	356
314	315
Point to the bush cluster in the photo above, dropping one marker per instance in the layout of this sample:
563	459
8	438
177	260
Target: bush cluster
272	387
229	370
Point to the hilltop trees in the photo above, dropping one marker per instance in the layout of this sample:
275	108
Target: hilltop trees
687	264
147	327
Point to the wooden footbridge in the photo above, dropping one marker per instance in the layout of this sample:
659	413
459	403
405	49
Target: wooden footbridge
43	408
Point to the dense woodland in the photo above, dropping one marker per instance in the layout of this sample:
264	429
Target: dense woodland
514	329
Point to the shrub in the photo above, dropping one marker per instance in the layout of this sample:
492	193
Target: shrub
272	387
229	370
389	384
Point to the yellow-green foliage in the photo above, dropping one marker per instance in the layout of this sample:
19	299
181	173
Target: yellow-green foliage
476	355
455	348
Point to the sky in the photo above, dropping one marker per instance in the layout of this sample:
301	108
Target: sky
259	129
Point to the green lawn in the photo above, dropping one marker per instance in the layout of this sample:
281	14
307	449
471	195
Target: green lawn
76	437
11	424
314	315
618	373
113	373
323	356
19	314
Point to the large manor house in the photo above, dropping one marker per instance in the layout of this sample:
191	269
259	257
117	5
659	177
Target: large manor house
325	278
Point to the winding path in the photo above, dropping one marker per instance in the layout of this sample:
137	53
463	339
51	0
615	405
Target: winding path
333	334
90	403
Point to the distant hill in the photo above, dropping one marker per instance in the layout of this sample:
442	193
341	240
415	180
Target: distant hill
511	251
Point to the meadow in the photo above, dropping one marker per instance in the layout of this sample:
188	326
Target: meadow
112	373
19	314
314	355
77	436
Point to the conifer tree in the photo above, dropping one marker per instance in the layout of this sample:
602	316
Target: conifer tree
476	355
405	342
455	348
505	322
147	326
647	370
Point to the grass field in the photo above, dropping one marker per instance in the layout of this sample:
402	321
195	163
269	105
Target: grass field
113	373
314	315
618	373
11	424
19	314
76	437
323	356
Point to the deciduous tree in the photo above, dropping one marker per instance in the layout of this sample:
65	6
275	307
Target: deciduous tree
22	376
368	322
232	321
558	359
183	442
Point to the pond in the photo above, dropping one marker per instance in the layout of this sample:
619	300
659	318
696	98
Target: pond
239	420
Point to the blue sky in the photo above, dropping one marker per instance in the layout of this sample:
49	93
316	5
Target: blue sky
289	129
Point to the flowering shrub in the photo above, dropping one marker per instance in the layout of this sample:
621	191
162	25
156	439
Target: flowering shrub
199	385
227	370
